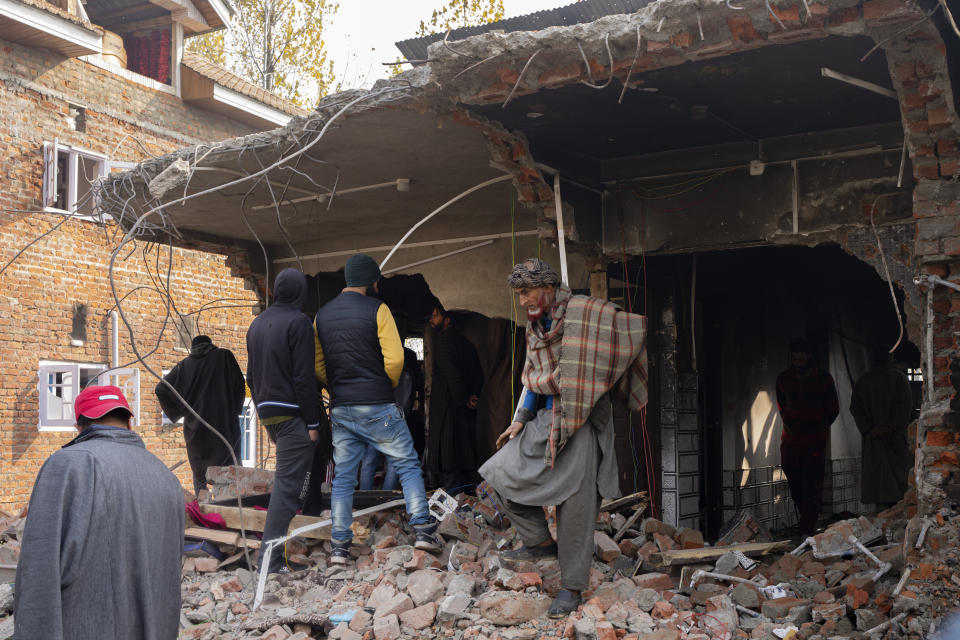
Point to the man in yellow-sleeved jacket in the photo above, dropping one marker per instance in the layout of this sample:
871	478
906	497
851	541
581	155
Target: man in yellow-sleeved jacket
359	359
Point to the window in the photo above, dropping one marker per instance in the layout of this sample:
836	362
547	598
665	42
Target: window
129	382
68	179
915	374
165	421
248	433
59	383
77	120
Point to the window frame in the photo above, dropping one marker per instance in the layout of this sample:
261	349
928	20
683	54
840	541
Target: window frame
51	171
48	367
249	428
113	377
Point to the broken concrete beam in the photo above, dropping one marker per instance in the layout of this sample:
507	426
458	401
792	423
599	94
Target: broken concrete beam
175	174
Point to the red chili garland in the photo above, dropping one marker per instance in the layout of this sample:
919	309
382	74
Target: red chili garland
150	55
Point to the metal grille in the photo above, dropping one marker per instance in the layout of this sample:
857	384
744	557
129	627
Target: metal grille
765	492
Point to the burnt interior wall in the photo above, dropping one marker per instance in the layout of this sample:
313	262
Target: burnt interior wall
713	400
730	207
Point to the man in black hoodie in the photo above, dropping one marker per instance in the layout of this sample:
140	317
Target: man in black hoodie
280	374
211	382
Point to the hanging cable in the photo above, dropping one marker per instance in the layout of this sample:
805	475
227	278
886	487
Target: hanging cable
886	271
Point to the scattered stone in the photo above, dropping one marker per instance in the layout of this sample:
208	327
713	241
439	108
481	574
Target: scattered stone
386	627
605	548
656	581
508	608
343	632
453	607
360	621
394	607
868	619
746	596
462	583
276	632
420	617
646	598
424	586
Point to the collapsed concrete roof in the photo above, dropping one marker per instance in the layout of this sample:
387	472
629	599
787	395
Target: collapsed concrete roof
675	86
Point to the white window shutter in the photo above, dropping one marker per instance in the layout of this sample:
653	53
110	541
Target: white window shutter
128	380
57	388
49	173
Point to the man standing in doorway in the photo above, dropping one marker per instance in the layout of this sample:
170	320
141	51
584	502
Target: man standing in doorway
454	393
210	380
280	365
101	548
807	400
882	406
359	359
559	450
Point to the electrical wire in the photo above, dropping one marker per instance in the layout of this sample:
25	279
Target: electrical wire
694	187
886	271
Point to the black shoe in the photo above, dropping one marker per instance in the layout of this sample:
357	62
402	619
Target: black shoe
427	538
341	553
530	554
564	604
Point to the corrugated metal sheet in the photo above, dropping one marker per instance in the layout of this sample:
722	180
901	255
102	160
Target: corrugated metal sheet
579	12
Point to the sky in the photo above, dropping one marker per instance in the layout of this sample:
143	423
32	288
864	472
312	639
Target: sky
361	34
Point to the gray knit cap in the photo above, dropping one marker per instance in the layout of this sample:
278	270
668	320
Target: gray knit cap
533	272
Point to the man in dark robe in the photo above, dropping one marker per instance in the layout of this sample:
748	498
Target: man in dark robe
882	406
807	400
211	382
454	394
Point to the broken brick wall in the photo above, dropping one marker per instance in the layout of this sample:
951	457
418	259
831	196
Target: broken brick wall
918	68
674	33
124	121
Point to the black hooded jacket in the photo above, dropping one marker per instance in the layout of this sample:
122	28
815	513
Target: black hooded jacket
211	382
280	354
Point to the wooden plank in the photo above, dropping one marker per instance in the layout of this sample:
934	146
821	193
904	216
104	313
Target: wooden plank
221	536
629	523
627	501
707	554
255	519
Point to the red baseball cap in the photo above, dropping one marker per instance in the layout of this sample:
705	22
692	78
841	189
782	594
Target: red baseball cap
96	402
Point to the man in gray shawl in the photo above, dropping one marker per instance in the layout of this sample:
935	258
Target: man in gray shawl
559	450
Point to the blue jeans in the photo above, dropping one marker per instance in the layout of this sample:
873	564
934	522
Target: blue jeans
381	425
368	469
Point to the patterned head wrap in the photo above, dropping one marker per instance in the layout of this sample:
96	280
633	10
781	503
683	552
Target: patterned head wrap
533	272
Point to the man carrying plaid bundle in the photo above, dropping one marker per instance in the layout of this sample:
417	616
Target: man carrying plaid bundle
559	450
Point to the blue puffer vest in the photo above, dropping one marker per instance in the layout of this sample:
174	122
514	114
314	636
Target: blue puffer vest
347	328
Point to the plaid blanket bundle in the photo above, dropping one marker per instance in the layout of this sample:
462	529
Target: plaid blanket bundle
592	347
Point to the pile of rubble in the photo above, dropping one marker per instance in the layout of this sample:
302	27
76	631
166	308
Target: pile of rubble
863	577
885	576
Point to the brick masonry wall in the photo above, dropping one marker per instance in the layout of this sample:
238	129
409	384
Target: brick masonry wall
124	121
918	68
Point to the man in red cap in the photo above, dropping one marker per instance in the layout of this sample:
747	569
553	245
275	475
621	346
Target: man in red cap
101	548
